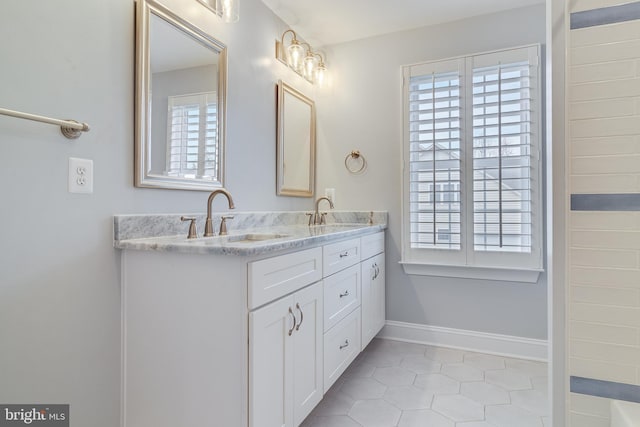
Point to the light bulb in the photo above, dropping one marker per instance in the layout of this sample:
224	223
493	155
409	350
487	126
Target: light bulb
295	54
309	66
321	72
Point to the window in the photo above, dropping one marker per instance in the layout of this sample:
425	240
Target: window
192	146
472	175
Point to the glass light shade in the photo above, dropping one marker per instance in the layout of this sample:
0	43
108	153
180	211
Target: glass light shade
310	66
295	54
229	10
321	74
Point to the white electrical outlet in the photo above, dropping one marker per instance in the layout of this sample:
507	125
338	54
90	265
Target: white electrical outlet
331	194
80	175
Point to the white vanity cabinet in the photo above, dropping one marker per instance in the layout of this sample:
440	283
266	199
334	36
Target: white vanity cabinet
373	286
285	340
244	340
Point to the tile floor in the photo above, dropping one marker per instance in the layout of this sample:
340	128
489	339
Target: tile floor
393	383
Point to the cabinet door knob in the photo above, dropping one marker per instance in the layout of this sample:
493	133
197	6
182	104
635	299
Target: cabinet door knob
345	345
301	317
294	321
345	294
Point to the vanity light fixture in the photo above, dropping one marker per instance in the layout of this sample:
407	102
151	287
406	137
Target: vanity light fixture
228	10
301	58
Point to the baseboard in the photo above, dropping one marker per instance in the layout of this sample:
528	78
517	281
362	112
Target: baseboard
482	342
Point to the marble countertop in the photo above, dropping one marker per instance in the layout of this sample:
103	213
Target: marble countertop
129	233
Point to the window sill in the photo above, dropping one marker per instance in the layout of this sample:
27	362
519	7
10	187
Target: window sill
472	272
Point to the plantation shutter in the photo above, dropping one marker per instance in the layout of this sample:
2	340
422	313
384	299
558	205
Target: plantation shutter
435	156
472	178
504	161
192	133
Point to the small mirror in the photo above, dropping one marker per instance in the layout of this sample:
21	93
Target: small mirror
180	102
296	138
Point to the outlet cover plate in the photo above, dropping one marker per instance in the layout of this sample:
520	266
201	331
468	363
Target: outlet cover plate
80	175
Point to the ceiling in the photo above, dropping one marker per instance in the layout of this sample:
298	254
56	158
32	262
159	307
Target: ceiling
329	22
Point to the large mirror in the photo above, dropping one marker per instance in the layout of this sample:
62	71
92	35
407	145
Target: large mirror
296	139
180	102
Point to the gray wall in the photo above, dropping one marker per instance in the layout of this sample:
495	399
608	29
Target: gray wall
59	274
362	110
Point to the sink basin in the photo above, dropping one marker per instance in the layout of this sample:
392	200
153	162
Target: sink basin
625	414
255	237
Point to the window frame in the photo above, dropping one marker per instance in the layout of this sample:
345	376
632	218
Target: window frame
467	262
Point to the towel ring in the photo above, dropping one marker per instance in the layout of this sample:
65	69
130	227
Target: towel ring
358	158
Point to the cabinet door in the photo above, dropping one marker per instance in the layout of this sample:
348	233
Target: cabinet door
271	329
373	298
379	296
307	352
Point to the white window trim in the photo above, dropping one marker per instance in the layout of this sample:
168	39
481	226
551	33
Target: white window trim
447	263
522	275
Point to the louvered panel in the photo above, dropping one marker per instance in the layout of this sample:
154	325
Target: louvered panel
192	132
502	194
434	132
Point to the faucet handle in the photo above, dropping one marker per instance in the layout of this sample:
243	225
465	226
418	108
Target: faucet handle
223	224
310	215
323	218
193	233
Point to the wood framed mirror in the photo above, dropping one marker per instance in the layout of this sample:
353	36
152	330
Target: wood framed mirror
296	142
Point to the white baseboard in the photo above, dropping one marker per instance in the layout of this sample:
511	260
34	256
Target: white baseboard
482	342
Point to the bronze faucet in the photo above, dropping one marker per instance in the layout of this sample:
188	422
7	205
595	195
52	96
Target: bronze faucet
318	218
208	226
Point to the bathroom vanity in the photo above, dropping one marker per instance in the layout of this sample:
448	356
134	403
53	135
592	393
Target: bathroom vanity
249	329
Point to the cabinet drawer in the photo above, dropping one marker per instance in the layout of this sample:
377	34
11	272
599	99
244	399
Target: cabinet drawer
341	347
341	295
271	278
372	244
338	256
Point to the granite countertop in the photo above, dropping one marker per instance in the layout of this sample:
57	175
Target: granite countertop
264	233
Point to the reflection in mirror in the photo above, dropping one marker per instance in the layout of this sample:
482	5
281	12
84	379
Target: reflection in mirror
180	102
296	129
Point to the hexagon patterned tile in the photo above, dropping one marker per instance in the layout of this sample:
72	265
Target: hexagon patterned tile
397	384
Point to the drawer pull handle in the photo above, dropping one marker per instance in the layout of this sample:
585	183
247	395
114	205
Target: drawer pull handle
345	254
345	345
301	316
294	321
345	294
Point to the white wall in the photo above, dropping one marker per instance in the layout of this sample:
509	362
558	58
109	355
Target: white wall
362	109
59	275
